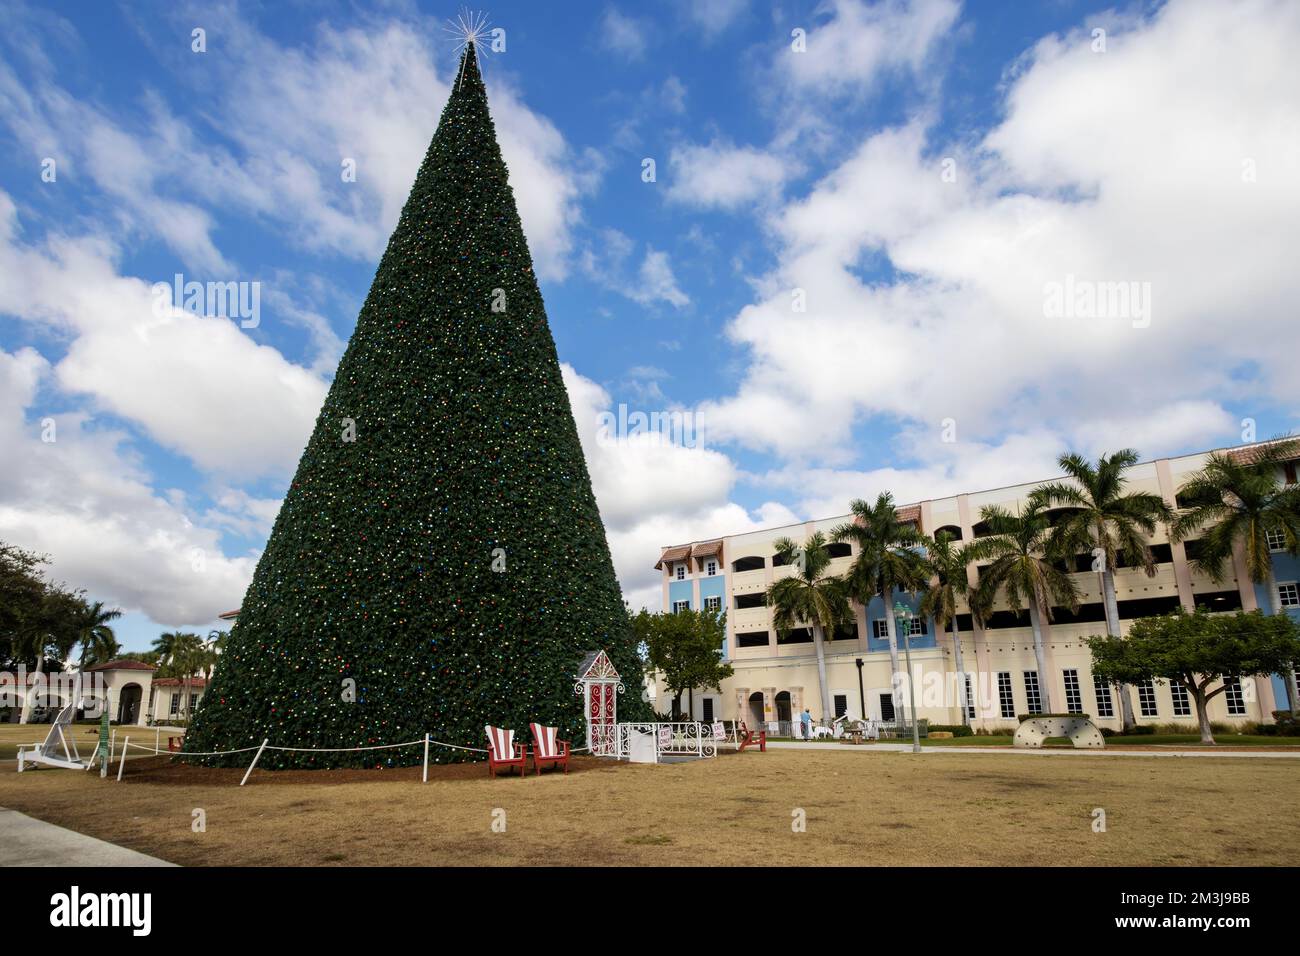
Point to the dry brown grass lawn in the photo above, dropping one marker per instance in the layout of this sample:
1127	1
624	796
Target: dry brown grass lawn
862	808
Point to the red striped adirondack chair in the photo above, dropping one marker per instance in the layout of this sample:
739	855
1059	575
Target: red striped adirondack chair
504	752
546	749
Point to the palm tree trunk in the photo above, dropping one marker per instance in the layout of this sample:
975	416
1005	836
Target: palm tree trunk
961	673
1112	631
1044	678
821	671
895	679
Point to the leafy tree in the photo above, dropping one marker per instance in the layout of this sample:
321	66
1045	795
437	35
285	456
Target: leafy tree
1195	650
1021	568
810	597
888	559
945	564
1236	500
685	648
439	545
39	619
1102	516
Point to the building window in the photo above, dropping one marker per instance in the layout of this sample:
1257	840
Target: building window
711	568
1182	702
679	606
752	639
1233	695
176	704
706	710
713	603
1276	539
1147	698
841	705
880	628
744	601
1288	594
681	572
1006	697
970	696
887	708
1033	697
194	702
1073	696
1105	706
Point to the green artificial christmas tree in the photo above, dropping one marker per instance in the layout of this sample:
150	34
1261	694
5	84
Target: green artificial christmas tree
438	563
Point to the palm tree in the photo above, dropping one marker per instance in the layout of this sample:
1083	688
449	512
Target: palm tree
1237	501
98	642
945	564
181	651
1020	568
216	646
888	559
1103	517
810	596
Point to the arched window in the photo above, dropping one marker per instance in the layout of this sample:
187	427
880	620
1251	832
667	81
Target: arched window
752	563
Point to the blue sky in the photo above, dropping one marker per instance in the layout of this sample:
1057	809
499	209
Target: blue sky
918	172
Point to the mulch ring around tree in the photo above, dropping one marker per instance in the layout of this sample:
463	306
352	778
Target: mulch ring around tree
171	772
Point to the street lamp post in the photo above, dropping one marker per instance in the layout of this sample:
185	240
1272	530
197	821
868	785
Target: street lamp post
903	618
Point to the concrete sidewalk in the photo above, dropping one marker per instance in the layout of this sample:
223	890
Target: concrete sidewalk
26	841
1031	752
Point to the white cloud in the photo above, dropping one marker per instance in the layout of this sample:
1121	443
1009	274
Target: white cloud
652	492
652	281
724	176
656	281
1116	167
84	500
712	17
292	116
623	35
859	41
200	386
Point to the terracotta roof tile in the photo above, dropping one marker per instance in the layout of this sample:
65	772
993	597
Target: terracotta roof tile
122	664
707	549
675	553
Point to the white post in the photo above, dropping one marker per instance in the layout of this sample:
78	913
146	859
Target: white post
157	739
122	763
255	760
426	758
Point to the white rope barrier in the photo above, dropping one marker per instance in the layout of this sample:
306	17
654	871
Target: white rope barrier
426	741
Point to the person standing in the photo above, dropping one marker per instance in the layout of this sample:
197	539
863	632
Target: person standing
805	724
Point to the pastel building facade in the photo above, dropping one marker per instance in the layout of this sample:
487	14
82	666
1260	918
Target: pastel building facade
776	677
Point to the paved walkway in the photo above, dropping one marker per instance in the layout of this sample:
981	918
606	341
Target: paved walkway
1126	751
26	841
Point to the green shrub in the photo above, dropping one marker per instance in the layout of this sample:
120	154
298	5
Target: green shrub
1141	730
957	730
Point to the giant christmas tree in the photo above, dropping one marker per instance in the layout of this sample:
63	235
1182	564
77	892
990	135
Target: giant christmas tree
439	549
